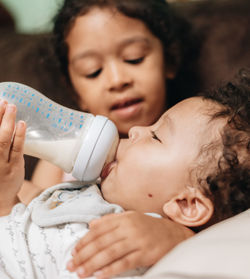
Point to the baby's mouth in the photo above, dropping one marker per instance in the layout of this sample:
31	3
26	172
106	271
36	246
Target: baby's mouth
127	103
107	169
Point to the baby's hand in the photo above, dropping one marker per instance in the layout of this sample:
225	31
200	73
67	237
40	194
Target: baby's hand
121	242
11	156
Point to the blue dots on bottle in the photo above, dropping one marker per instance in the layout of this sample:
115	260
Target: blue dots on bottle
58	117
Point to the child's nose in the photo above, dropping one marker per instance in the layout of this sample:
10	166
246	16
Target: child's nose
117	78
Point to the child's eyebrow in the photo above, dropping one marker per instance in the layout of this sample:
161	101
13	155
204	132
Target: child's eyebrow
136	39
82	55
122	44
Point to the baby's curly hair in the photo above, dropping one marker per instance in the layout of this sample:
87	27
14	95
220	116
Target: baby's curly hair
228	185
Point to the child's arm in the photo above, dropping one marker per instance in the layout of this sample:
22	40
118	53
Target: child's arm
46	175
121	242
11	157
28	192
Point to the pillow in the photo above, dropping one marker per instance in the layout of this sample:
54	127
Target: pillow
222	251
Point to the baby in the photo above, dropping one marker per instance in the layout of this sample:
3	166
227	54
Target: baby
191	166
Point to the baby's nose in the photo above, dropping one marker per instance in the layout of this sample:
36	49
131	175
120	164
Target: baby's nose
136	132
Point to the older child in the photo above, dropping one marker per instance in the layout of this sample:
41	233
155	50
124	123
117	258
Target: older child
125	59
195	187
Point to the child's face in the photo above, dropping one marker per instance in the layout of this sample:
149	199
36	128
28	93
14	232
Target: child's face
117	67
153	164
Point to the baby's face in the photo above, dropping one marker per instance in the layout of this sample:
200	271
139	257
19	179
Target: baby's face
153	164
117	67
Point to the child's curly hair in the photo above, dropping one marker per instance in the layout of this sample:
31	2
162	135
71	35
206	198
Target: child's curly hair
179	42
229	186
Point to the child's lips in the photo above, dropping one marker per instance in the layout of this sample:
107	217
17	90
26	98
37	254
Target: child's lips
127	108
107	169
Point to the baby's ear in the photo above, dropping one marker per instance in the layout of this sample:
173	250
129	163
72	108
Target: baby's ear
190	208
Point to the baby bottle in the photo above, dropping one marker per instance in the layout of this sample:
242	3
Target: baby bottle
75	141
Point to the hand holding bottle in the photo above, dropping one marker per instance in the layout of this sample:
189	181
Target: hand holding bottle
11	157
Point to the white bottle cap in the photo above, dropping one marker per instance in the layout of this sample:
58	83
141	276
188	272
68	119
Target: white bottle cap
98	142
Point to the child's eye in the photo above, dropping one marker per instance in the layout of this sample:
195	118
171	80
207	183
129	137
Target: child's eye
135	61
154	136
94	74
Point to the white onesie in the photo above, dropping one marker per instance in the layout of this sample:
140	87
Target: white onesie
36	241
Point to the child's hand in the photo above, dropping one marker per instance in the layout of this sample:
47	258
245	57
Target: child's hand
11	156
121	242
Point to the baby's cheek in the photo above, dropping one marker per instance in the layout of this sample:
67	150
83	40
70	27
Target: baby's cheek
108	188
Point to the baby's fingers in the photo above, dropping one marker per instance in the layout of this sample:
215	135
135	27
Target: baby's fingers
6	130
87	252
128	262
106	257
3	104
98	228
18	142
